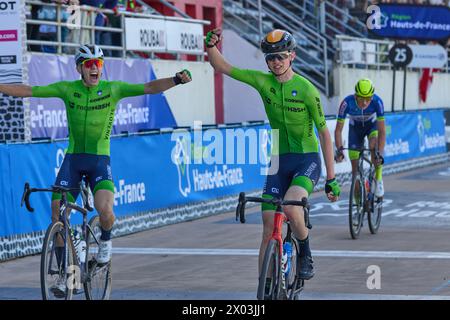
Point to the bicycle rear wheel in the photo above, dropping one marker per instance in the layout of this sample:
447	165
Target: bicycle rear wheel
56	282
374	216
356	206
270	277
98	284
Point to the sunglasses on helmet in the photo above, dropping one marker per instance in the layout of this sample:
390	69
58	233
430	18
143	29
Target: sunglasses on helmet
90	63
280	56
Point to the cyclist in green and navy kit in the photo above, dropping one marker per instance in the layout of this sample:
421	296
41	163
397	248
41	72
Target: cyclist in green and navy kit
90	107
293	107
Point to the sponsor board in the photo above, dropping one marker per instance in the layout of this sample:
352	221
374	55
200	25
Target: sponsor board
10	36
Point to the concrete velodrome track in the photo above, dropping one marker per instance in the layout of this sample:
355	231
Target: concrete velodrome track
216	257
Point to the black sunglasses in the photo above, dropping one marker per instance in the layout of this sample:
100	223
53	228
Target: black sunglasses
279	56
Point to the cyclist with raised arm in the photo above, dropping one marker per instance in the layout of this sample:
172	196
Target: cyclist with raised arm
90	106
366	115
293	107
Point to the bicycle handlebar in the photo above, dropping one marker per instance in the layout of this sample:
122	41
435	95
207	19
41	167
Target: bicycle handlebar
57	189
240	210
361	149
26	197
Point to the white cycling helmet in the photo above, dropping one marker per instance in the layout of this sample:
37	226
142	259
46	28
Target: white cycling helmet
86	52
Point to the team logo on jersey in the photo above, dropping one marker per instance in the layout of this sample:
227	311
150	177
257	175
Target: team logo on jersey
294	93
99	92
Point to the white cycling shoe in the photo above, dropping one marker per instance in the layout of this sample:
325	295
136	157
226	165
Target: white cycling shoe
379	189
104	251
59	287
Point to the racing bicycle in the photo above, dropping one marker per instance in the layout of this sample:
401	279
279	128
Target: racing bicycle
362	198
65	271
278	279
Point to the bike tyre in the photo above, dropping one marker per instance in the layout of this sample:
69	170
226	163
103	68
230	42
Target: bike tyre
99	282
272	259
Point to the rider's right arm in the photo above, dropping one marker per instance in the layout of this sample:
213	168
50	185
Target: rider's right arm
218	62
16	90
54	90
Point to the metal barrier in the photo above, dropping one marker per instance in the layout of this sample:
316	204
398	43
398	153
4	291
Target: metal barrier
88	30
374	54
335	20
259	17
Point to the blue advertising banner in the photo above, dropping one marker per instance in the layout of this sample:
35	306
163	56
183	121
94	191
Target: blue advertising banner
172	169
48	116
34	163
150	172
409	21
414	135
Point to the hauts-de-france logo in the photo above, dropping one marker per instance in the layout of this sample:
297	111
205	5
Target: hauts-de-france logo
181	158
421	133
376	18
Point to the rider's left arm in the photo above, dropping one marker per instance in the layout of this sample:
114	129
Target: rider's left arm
160	85
314	105
327	150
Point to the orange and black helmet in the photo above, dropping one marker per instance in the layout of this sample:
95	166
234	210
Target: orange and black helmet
278	41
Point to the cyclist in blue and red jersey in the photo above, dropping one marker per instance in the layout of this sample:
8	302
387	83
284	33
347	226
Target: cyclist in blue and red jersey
366	114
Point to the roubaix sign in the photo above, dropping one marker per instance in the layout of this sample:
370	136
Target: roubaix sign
158	35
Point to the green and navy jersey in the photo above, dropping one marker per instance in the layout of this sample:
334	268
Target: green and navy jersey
373	112
293	108
90	111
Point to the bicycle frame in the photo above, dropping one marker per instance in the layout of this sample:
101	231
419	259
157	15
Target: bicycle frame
371	171
277	235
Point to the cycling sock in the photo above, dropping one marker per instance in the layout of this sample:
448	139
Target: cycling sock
59	252
304	247
106	235
378	173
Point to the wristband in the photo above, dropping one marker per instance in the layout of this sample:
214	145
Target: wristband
177	80
208	37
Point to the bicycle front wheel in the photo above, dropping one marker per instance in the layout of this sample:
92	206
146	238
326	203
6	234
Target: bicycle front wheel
270	277
294	285
98	284
57	281
375	212
356	206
